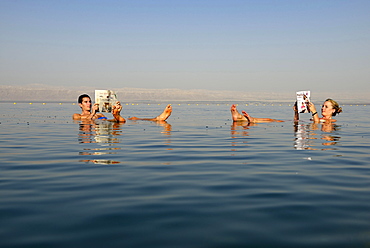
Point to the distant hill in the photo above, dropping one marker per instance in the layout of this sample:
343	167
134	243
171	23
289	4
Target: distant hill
49	93
61	94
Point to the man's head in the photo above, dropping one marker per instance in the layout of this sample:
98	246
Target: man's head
81	97
84	101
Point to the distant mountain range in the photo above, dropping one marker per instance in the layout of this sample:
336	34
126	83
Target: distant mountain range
62	94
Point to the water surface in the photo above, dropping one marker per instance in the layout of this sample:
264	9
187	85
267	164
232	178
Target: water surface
195	181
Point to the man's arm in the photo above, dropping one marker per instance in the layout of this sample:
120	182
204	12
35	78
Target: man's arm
116	112
91	116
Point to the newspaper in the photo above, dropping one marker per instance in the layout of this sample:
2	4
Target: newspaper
303	98
106	100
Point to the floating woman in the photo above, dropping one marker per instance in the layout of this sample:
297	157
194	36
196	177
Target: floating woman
329	109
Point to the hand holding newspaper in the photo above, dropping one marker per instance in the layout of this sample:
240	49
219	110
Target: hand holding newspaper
106	100
303	98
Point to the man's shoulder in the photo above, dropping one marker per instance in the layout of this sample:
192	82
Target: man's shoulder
76	116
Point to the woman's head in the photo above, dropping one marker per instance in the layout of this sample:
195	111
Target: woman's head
330	108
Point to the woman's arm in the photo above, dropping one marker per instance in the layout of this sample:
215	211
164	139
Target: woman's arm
315	115
296	114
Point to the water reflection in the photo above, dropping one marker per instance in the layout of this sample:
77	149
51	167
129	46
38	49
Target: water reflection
240	128
306	135
167	129
108	136
99	132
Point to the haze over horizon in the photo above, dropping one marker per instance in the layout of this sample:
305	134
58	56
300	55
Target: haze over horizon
245	46
42	93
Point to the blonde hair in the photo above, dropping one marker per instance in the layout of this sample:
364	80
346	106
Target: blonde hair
335	106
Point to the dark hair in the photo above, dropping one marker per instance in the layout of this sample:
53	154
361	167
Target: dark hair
82	97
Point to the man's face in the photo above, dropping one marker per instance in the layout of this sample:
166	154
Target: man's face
86	104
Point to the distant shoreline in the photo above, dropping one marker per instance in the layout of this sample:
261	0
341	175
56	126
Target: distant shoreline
43	93
190	102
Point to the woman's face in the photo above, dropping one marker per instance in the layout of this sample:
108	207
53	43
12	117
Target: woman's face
327	109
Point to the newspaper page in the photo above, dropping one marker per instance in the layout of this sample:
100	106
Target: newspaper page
303	98
106	100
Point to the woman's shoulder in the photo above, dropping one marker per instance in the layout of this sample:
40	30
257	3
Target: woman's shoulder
327	120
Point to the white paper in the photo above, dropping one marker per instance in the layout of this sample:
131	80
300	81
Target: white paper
303	98
106	100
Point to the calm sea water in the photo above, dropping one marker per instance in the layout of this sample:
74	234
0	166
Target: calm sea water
196	181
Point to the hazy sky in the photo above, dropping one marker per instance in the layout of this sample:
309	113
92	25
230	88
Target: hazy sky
235	45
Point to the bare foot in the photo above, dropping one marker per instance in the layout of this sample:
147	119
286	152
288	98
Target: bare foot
236	115
165	114
162	117
246	115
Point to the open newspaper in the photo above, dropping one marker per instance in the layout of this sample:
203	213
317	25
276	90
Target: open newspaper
303	98
106	100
